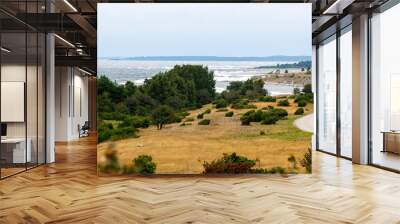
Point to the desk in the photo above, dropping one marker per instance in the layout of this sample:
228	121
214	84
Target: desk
13	150
391	141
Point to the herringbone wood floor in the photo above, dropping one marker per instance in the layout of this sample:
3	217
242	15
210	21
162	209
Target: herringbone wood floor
70	191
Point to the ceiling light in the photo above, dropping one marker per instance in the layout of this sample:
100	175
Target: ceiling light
86	72
338	6
70	5
65	41
5	50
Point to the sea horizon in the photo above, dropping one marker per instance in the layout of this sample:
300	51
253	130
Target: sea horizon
289	58
136	71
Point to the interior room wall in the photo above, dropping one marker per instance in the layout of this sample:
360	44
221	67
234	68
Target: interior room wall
71	87
15	73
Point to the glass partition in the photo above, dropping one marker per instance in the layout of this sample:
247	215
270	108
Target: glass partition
31	97
327	96
22	88
346	93
14	153
385	89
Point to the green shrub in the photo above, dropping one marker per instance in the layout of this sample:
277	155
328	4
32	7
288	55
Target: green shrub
299	111
111	116
220	103
267	99
229	114
248	113
307	88
277	169
103	136
283	103
301	103
207	111
262	132
229	163
270	119
123	132
273	170
307	161
296	91
185	124
135	121
222	110
111	165
144	164
236	164
255	116
189	119
243	104
200	116
307	97
106	131
281	113
245	120
292	160
184	114
204	122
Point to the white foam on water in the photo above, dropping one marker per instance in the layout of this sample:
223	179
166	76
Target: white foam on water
224	71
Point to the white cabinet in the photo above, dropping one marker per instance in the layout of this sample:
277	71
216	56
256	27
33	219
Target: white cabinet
19	155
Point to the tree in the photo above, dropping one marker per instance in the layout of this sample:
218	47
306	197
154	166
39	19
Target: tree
307	88
234	86
296	91
163	115
130	88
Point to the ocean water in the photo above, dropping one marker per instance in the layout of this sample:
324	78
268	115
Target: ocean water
224	71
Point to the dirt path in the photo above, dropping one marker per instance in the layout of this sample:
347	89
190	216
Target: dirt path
305	123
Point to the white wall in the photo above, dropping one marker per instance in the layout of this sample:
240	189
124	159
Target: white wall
71	102
314	90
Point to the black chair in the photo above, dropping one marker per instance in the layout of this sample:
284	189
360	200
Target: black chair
84	130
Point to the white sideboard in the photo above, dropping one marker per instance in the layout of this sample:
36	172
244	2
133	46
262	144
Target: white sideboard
19	154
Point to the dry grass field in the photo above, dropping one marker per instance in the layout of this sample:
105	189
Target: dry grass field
183	149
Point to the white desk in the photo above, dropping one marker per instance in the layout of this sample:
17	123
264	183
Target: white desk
19	155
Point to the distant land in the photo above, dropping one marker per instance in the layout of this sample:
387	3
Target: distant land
212	58
300	64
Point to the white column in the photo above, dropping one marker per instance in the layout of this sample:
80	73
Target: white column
50	99
314	90
360	90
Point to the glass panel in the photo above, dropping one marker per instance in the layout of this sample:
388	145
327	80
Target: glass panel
32	89
31	98
385	86
41	99
13	87
346	94
327	96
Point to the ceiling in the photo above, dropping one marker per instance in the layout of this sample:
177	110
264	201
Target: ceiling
75	21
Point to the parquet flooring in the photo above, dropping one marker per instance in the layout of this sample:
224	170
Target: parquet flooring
70	191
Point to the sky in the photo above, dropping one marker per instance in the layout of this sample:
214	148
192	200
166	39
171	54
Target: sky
229	30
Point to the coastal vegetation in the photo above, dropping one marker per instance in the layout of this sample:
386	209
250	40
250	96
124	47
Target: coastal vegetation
173	122
305	65
161	100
